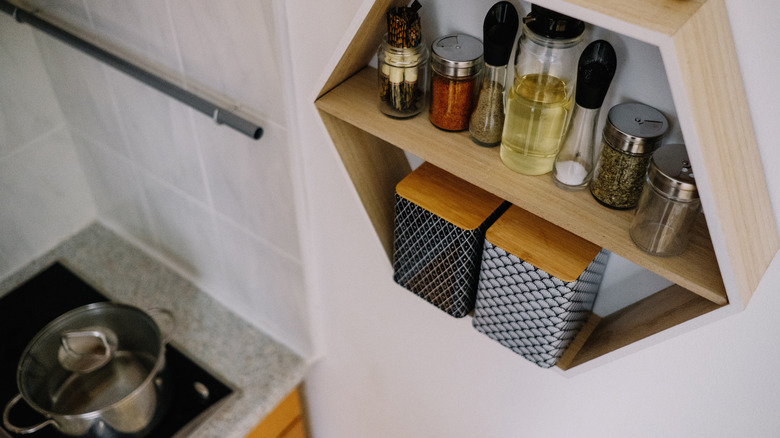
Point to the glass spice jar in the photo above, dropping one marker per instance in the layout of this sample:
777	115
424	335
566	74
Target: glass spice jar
403	77
456	64
669	204
631	134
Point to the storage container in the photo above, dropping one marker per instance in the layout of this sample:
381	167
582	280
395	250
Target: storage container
669	205
456	64
440	228
537	285
632	132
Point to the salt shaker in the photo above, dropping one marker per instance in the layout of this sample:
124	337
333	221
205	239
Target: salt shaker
669	204
573	166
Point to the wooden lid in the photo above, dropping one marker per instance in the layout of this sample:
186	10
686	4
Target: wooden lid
447	196
558	252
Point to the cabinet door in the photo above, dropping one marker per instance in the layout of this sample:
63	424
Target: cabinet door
285	421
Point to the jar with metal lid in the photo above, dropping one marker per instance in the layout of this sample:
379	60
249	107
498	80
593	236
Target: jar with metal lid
631	134
456	64
669	204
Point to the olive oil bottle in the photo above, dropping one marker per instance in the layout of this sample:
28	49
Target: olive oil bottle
542	96
537	115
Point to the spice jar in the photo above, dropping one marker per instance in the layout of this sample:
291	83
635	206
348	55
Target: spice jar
456	63
631	134
669	204
402	61
498	32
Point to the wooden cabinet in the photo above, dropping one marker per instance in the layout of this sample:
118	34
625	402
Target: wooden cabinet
730	250
285	421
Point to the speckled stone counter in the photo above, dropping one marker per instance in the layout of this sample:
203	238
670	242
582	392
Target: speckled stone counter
261	369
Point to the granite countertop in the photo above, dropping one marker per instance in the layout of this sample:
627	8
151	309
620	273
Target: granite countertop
261	369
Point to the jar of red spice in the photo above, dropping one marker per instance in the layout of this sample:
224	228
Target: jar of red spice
456	64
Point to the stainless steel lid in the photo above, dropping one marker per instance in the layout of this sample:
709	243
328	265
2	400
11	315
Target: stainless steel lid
457	55
635	128
670	173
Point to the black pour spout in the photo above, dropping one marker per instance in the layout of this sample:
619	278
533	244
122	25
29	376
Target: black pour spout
595	71
499	30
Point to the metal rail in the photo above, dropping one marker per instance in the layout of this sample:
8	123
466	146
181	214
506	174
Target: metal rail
219	114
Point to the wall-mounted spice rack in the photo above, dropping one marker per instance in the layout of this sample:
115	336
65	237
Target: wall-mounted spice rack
729	253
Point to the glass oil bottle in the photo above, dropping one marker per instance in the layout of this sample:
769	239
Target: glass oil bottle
541	97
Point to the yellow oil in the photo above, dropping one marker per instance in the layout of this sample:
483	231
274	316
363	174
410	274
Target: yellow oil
537	113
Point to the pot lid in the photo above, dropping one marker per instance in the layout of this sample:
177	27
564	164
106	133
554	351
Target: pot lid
51	384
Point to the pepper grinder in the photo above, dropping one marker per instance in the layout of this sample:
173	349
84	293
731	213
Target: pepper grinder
573	166
499	30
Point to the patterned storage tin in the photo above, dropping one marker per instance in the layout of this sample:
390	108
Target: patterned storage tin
440	224
537	286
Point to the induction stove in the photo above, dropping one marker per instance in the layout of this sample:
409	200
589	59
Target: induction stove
196	393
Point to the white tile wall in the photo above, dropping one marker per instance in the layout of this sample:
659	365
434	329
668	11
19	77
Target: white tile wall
217	205
240	37
44	197
43	193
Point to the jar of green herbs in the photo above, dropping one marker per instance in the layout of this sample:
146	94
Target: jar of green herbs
632	132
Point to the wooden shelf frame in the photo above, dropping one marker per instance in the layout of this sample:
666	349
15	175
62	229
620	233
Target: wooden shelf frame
729	253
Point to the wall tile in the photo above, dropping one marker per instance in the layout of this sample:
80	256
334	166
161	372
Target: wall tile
263	286
231	48
118	194
29	107
159	134
140	26
185	232
45	197
250	181
83	92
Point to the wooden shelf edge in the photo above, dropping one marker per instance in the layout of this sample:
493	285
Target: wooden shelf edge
714	103
654	314
353	103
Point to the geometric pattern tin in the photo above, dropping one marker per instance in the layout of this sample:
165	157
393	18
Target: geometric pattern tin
529	311
437	260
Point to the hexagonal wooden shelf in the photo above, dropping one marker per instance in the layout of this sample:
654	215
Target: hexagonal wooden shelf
729	252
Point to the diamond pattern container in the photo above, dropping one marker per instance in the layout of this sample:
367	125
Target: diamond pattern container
440	224
537	286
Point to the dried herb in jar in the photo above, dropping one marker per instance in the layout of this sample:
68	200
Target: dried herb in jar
632	132
621	178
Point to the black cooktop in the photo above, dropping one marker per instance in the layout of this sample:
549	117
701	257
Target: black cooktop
56	290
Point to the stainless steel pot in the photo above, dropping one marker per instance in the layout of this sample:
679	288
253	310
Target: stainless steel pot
96	371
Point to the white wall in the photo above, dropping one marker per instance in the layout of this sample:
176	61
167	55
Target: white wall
43	193
396	366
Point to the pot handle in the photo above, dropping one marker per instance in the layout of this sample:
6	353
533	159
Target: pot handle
165	321
22	430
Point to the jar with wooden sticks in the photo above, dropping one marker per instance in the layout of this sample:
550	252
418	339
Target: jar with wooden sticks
402	62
